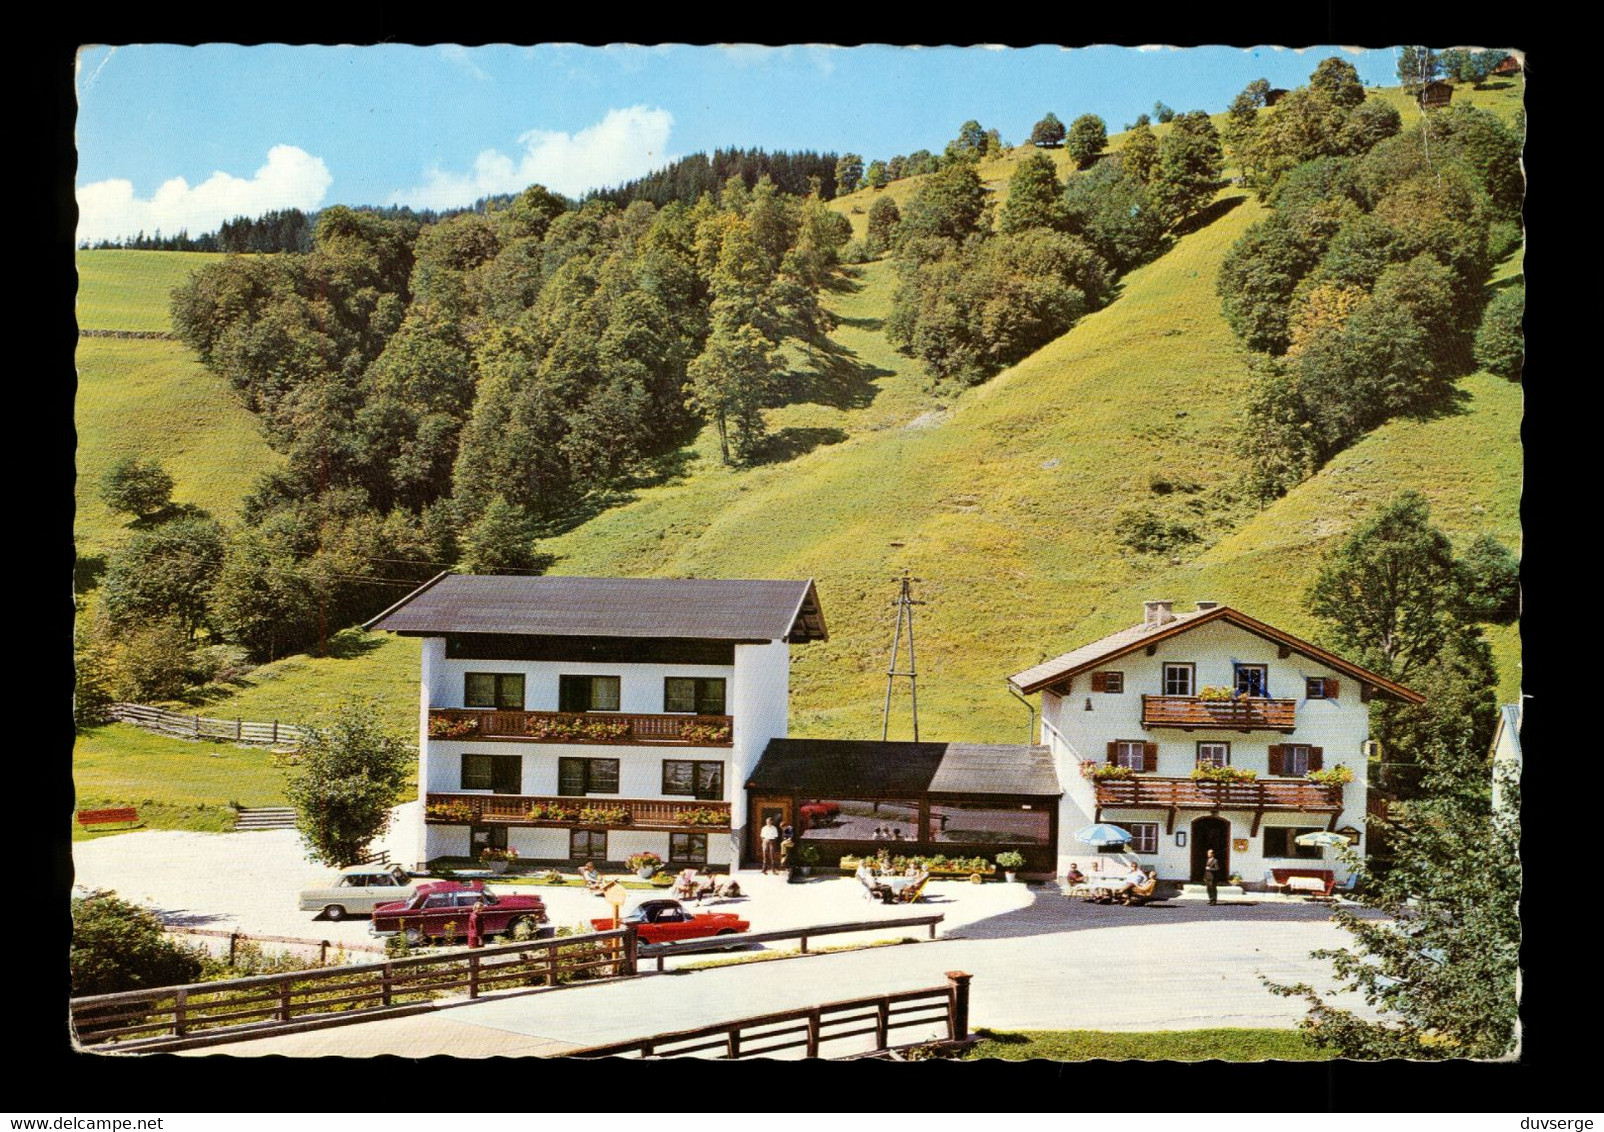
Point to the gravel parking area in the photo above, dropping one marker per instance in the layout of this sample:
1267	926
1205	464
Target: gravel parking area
250	882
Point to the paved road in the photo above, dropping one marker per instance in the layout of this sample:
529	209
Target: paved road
1051	964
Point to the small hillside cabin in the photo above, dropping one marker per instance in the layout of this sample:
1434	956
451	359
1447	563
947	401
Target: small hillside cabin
1436	93
1207	730
575	719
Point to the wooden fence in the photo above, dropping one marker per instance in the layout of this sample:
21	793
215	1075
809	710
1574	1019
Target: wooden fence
195	726
810	1028
231	1009
323	947
662	951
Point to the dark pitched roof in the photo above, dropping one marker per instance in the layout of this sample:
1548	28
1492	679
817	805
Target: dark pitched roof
868	768
684	608
1125	641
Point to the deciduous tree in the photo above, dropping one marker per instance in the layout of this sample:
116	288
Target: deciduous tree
1048	133
118	946
1033	196
1500	342
1088	137
137	486
1338	80
351	773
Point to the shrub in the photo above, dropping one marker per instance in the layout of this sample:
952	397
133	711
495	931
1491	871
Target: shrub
118	946
647	860
1338	775
1500	342
137	487
1144	530
1011	860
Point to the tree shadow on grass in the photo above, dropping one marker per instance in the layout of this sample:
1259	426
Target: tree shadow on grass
661	469
789	443
87	571
838	379
1209	215
846	281
353	644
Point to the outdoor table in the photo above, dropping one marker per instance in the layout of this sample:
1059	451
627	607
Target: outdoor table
1306	884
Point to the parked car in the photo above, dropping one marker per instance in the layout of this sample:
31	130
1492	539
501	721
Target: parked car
440	911
358	890
660	921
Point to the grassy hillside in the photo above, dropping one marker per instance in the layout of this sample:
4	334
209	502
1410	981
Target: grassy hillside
141	396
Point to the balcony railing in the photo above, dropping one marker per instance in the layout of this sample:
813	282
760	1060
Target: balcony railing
1149	791
1249	713
608	728
571	813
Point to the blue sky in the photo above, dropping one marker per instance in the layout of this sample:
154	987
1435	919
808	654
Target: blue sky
176	137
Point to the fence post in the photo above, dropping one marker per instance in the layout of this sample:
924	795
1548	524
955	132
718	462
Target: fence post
958	1005
284	1001
932	929
233	944
882	1024
732	1042
632	950
239	729
180	999
804	945
473	974
551	964
197	725
275	732
323	953
814	1024
385	984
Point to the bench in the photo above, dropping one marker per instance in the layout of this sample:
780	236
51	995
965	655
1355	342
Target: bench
1278	878
126	815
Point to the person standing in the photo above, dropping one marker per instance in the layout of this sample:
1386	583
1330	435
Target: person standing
771	844
1211	877
475	939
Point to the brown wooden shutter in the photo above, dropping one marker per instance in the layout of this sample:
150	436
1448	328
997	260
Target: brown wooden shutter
1099	681
1149	758
1332	686
1315	754
1113	751
1277	758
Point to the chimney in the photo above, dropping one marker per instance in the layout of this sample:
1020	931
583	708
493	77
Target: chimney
1157	613
1205	606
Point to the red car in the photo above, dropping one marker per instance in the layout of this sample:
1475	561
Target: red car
440	911
660	921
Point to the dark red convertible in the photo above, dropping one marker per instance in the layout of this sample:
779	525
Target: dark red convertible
440	911
660	921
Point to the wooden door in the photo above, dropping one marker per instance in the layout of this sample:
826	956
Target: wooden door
1211	833
762	810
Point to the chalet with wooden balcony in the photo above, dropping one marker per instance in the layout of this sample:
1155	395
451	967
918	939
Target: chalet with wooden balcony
1204	730
576	719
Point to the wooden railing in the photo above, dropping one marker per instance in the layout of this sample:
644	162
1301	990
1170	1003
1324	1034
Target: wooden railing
608	728
1192	794
201	1013
514	809
662	951
1250	713
942	1009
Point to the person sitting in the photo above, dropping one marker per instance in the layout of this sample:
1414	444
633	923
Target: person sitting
727	889
1075	877
879	833
1133	880
592	878
685	884
896	833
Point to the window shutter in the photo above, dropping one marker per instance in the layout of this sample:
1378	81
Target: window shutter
1149	758
1314	757
1277	760
1099	681
1331	687
1113	752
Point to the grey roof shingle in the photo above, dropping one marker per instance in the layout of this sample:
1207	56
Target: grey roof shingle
869	768
686	608
1113	643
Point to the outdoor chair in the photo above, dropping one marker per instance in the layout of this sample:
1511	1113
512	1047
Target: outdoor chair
1142	893
911	894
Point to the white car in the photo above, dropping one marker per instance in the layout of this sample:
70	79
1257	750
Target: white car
358	889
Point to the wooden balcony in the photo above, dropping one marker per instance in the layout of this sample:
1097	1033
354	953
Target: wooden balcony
1189	713
628	813
1146	792
613	729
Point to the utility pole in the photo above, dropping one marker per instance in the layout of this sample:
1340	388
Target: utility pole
904	604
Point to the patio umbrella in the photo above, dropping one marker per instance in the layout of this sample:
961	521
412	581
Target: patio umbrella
1103	834
1321	837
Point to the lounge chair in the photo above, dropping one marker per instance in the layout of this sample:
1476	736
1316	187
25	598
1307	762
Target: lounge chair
911	894
1141	893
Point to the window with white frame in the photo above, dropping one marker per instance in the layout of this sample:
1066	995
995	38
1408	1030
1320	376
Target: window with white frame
1213	754
1252	680
1178	679
1131	753
1144	836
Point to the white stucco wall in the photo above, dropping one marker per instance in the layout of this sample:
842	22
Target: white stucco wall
640	686
1340	727
762	710
640	769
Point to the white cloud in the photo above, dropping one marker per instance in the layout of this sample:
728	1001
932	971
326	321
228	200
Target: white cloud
1151	47
459	55
292	178
626	144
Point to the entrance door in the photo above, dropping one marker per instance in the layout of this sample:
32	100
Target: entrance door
1211	833
762	810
